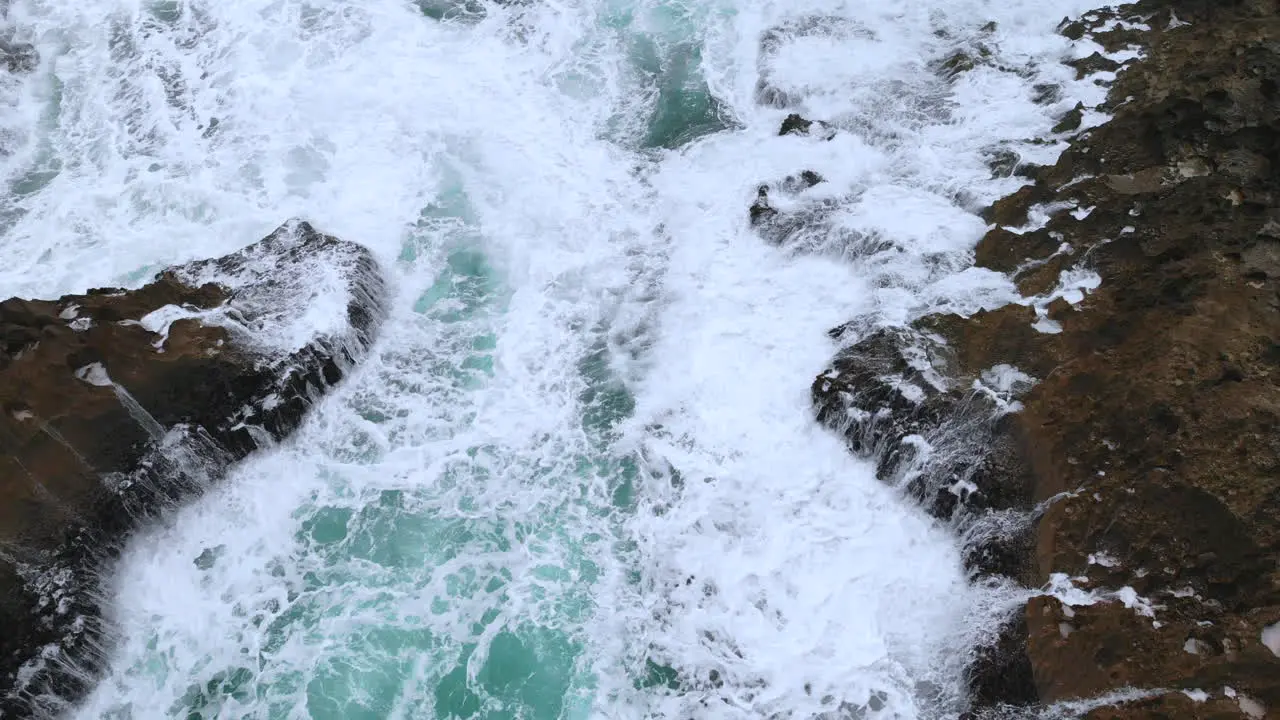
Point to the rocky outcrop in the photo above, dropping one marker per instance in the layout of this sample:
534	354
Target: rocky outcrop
18	57
1128	408
117	404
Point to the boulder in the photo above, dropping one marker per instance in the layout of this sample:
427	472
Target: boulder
117	404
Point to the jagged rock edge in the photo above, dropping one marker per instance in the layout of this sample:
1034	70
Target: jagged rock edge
69	584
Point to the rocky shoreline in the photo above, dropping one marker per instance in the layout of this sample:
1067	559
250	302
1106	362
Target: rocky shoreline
1111	441
119	404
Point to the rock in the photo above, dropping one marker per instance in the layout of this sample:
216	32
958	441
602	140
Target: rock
19	58
793	124
962	61
1095	63
920	407
118	404
771	223
1011	210
1005	251
1071	120
1178	706
1001	673
1147	444
760	210
799	183
1072	30
1047	93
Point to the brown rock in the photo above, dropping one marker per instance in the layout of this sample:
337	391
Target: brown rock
1004	251
1150	436
106	420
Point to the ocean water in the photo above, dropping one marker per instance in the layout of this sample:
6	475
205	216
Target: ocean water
579	475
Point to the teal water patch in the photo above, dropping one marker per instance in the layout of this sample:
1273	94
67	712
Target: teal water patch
45	166
137	277
406	603
449	218
467	293
465	289
664	52
605	400
37	178
527	674
483	641
445	10
685	110
409	609
462	289
168	12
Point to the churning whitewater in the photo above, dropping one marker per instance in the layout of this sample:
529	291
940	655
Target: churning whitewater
579	477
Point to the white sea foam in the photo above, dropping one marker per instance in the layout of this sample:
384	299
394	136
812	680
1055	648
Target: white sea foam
585	436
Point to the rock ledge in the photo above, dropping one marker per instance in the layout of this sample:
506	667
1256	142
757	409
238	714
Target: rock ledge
118	404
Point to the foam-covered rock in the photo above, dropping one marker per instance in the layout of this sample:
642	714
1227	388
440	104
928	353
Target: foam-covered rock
117	404
1144	456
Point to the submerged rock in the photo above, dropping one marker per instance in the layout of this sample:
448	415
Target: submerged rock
117	404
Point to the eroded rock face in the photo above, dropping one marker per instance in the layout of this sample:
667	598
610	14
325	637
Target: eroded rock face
1146	455
117	404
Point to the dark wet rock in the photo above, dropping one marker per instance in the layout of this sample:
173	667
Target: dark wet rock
19	58
962	61
1146	449
1095	63
973	55
467	11
1070	120
1114	28
1005	251
118	404
1012	210
1072	29
956	63
1047	93
1003	163
760	210
883	390
768	220
1000	674
1175	705
795	125
799	183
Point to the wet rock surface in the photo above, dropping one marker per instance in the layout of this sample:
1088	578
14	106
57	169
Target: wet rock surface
1128	407
118	404
18	57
